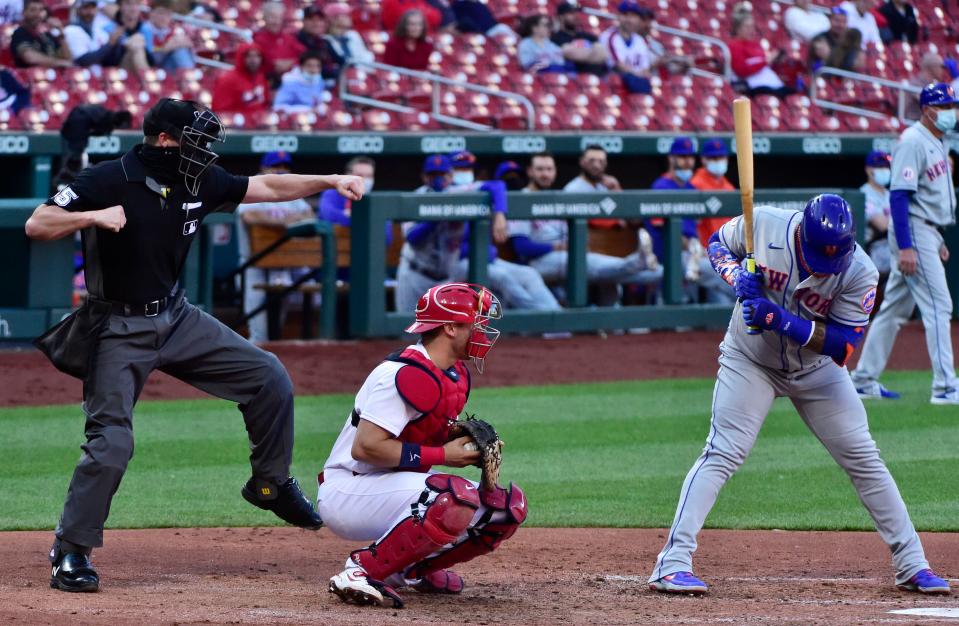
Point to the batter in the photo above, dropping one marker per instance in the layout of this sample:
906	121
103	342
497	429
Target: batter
922	203
811	304
379	482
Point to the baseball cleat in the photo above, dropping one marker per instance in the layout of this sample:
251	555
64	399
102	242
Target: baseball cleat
442	581
926	581
286	501
875	391
950	396
354	586
680	582
74	572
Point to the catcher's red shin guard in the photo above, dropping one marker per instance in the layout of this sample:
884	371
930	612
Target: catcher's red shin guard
485	536
416	537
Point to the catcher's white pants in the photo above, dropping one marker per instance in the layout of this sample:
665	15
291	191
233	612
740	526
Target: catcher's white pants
366	507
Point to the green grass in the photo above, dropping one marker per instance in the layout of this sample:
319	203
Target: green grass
612	454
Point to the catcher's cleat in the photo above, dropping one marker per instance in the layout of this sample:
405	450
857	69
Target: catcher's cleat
73	571
355	586
286	501
440	581
925	581
680	582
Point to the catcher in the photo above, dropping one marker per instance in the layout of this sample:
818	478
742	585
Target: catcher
378	483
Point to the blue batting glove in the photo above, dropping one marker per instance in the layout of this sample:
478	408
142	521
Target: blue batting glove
747	284
762	313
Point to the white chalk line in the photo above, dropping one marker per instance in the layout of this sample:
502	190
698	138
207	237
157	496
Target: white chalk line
771	579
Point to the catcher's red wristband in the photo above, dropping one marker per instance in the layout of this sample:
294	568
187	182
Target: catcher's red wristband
432	455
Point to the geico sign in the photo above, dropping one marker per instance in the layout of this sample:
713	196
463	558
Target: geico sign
447	143
274	143
822	145
366	144
885	144
527	145
14	144
103	145
761	145
613	145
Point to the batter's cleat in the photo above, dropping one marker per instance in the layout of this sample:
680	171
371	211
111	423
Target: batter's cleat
926	581
286	501
680	582
875	391
442	581
74	572
950	396
353	585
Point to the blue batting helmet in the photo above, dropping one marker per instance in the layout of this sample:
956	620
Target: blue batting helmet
937	94
827	234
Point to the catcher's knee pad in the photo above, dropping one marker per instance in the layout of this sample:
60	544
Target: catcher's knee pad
487	534
446	517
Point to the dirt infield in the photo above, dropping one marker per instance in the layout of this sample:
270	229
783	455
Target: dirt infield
328	367
541	576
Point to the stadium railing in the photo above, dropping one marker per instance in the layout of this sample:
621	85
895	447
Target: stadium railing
902	88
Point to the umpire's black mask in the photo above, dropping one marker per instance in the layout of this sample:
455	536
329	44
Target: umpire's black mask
195	127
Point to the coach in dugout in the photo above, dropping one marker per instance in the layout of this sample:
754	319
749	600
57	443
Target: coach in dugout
138	215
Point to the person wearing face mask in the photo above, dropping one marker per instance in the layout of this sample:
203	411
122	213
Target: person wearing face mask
336	209
511	174
922	203
712	177
876	190
266	214
682	160
302	88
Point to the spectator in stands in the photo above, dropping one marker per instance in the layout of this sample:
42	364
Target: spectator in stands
409	46
629	50
87	34
750	63
171	45
204	11
433	253
901	20
265	214
931	70
712	177
337	209
804	22
132	50
301	89
819	54
244	89
542	244
14	95
844	42
345	44
579	46
473	16
11	12
392	10
39	41
536	52
280	48
314	27
861	18
876	190
511	174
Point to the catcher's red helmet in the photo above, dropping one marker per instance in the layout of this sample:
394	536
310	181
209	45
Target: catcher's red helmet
460	303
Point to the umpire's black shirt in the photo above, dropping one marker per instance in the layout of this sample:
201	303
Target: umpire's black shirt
142	262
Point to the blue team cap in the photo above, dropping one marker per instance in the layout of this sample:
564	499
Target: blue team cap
878	158
507	167
714	149
437	164
272	159
628	6
462	160
682	146
937	94
838	11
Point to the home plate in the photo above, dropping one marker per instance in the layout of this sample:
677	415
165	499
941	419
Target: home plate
931	612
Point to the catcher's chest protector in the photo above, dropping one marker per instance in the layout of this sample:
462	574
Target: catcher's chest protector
439	395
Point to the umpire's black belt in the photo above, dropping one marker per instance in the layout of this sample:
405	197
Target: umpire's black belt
150	309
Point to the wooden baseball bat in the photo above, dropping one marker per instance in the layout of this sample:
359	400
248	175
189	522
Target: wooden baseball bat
742	115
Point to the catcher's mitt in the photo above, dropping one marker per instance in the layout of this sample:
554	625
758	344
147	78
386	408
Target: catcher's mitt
487	442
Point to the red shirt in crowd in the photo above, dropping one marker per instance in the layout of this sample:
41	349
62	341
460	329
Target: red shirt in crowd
397	53
277	46
239	91
392	10
747	56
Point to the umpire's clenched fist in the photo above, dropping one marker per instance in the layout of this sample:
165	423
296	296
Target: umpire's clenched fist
112	218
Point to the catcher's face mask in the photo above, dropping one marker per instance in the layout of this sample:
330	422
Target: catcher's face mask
196	155
483	336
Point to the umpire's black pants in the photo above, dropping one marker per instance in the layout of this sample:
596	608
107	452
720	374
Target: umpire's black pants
188	344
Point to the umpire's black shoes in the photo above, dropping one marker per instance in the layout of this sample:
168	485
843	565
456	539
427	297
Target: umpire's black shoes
74	572
286	501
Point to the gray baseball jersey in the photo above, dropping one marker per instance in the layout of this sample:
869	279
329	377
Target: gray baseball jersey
847	298
920	163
